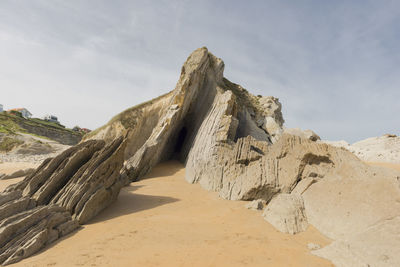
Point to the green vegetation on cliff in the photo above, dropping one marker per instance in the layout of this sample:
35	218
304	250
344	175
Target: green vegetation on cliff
12	124
8	143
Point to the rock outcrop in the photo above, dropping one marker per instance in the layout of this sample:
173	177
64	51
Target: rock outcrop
379	245
307	134
286	213
62	193
204	111
385	148
16	174
231	142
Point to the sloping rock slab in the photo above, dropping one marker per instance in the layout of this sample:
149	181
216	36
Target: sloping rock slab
377	246
286	213
25	233
340	206
18	173
62	193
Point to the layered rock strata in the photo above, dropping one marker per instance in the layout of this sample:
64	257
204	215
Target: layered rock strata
231	142
61	194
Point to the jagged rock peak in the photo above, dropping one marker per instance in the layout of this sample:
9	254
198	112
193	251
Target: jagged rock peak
171	125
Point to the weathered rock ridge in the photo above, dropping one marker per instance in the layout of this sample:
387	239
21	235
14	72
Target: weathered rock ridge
204	113
62	193
234	143
231	142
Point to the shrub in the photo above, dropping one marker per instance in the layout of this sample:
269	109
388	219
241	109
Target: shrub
8	143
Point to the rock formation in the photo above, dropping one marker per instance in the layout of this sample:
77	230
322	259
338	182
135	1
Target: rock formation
62	193
234	143
231	142
385	148
307	134
16	174
286	213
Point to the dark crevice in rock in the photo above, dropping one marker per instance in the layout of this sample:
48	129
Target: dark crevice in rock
265	192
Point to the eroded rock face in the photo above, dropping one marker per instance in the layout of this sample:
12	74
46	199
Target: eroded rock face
62	193
307	134
231	142
379	245
286	213
203	110
16	174
28	231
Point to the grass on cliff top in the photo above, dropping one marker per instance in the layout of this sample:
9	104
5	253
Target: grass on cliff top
8	125
50	124
11	124
125	117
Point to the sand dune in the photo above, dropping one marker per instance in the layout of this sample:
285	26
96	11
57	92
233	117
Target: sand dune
164	221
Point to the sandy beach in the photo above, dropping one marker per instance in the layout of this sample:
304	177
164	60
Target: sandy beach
164	221
10	167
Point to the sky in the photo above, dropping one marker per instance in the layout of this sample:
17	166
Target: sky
334	65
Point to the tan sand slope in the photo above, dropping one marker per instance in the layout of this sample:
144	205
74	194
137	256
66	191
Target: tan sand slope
164	221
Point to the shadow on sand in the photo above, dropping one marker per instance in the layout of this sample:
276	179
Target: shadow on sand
128	203
161	171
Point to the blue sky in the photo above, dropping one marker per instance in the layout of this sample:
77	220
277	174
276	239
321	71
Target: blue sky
335	65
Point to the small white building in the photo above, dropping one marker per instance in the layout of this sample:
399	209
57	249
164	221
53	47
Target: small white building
51	118
1	108
25	113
